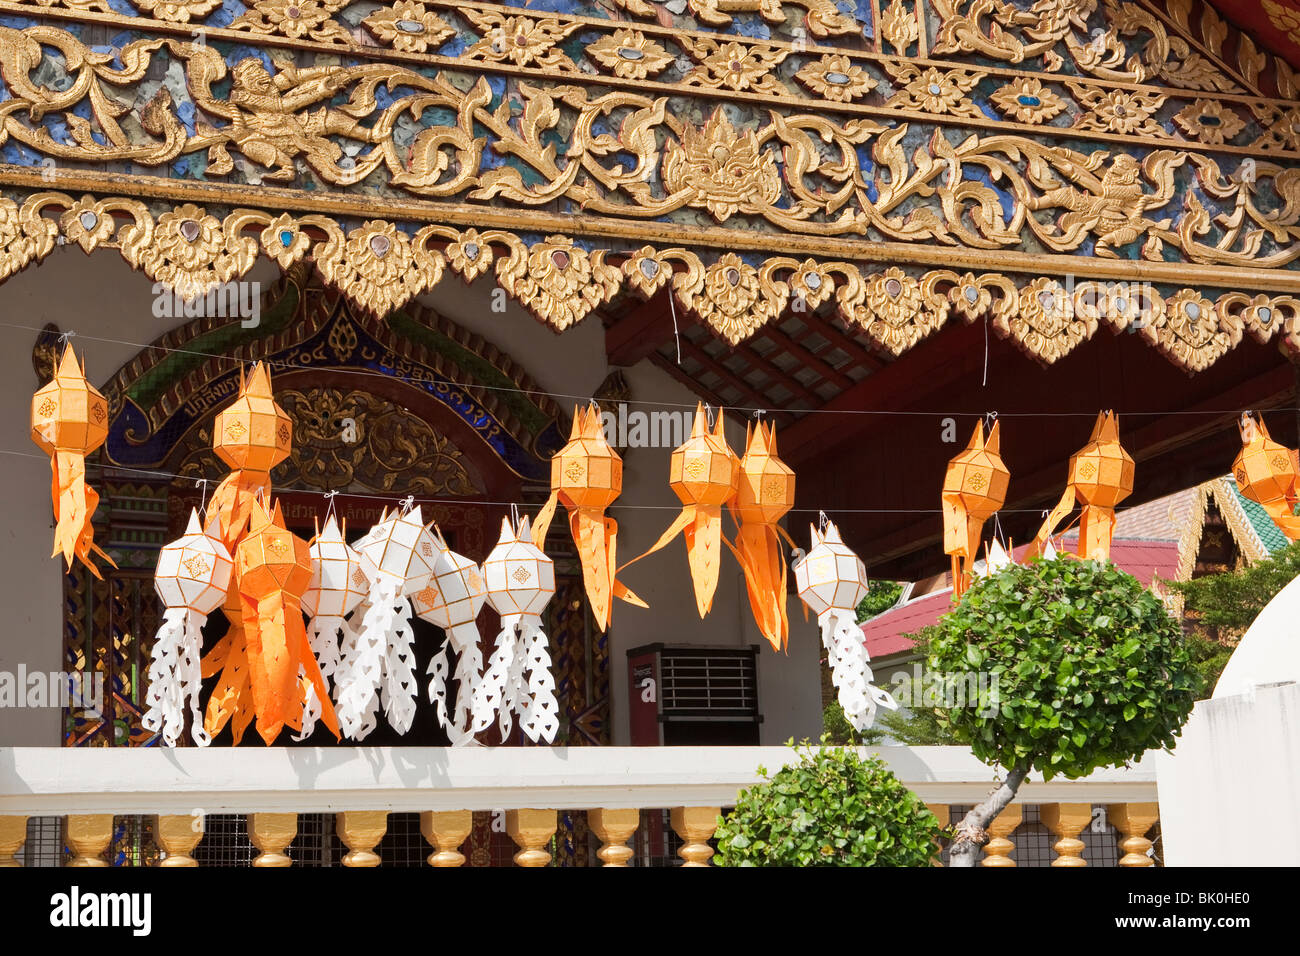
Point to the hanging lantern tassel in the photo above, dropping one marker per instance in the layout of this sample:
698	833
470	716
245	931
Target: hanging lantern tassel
192	578
974	487
338	585
704	473
378	660
520	583
1266	473
587	475
764	494
251	435
69	421
274	567
832	581
1101	476
452	602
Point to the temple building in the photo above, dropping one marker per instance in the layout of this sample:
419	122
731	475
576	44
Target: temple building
444	227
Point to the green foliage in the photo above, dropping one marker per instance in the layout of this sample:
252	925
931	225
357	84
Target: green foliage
837	730
1209	658
832	808
1224	605
1091	669
881	596
916	725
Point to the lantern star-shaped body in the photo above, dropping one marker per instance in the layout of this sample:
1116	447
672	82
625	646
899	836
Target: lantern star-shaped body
703	472
338	585
251	435
274	569
377	664
587	475
764	493
1101	476
1266	473
192	579
520	582
452	600
974	488
69	421
832	581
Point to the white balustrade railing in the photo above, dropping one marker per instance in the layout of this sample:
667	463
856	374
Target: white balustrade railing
362	784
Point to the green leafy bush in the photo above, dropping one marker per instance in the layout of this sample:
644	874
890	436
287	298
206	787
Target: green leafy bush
832	808
1091	669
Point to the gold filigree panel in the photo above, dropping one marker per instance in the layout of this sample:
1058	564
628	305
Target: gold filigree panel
561	280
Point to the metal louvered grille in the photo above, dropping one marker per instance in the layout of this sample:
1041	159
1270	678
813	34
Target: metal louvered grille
709	685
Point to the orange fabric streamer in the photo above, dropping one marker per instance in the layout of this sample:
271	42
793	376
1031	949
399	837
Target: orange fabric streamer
275	570
974	488
69	421
1101	476
764	493
704	473
587	475
1267	473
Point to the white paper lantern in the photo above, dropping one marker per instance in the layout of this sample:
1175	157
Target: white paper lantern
520	583
452	601
192	578
832	581
377	661
338	585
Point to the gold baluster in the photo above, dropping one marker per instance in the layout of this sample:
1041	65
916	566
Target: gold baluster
13	834
88	836
1133	820
998	850
615	828
446	830
178	836
271	833
531	830
940	811
361	831
1067	820
695	825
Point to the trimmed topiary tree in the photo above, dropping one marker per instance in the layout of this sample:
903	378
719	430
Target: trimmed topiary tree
832	808
1091	672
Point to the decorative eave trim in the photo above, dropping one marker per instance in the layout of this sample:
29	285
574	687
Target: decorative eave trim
380	266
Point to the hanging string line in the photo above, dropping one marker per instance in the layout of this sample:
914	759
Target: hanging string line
411	380
410	500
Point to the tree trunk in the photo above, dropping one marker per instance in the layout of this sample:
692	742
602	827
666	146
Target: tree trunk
972	832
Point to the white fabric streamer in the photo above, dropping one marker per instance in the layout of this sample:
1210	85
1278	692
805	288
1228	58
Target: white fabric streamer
174	677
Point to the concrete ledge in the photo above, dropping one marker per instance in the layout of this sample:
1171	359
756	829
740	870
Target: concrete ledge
50	781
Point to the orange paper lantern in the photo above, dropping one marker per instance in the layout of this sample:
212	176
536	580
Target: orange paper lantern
704	473
275	568
587	475
1266	473
69	421
764	493
974	488
1101	476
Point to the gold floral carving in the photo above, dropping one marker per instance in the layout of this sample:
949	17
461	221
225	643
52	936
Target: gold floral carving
178	11
898	26
732	296
1046	324
729	65
1192	332
557	280
25	235
836	77
523	41
932	90
629	54
295	19
380	266
823	18
408	26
